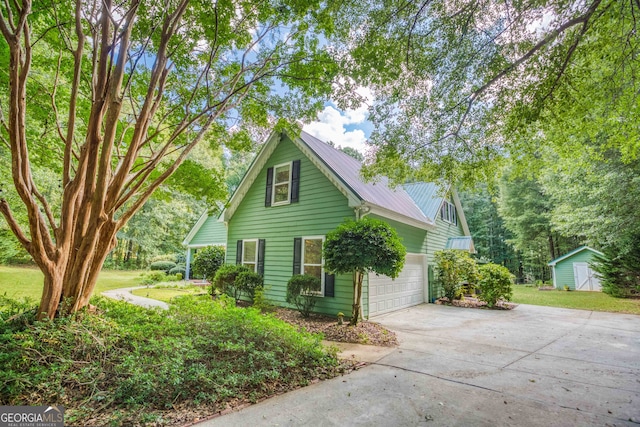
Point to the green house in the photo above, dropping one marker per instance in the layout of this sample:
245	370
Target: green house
299	188
208	231
574	270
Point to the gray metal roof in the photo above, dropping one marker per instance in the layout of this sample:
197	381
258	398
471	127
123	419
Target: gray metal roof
416	204
464	243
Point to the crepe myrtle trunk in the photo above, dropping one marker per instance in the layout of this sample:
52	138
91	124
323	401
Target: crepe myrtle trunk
69	281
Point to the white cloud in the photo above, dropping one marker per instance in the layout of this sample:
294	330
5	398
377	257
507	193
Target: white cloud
331	124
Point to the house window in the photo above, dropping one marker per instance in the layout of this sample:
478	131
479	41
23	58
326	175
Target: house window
312	262
448	212
281	184
250	254
307	259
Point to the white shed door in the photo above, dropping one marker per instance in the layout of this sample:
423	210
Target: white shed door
386	295
585	278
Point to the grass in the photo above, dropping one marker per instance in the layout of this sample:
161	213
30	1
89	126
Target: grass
20	282
166	294
596	301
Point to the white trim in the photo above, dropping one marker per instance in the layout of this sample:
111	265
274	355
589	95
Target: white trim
302	251
204	245
389	214
273	184
255	268
462	220
572	253
553	276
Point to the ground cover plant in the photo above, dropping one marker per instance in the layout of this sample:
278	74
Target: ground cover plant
126	365
597	301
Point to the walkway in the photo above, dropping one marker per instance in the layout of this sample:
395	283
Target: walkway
124	294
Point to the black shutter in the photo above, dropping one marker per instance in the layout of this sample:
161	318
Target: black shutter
267	193
239	252
295	181
297	255
261	257
329	284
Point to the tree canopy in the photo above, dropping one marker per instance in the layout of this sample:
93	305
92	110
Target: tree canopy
113	97
460	84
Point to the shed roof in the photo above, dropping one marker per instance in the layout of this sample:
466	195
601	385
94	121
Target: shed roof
574	252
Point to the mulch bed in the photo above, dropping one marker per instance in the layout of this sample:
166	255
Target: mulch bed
364	333
472	302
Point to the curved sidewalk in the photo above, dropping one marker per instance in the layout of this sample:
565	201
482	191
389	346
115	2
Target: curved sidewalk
124	294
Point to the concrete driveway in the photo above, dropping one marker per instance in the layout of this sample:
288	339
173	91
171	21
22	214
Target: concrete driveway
532	366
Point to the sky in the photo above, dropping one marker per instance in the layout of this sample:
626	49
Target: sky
345	128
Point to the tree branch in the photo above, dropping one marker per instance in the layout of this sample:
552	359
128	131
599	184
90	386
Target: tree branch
13	224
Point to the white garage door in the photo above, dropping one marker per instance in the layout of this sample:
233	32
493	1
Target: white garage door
585	278
407	289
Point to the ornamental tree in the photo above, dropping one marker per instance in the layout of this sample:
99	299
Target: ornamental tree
360	247
207	261
112	97
454	266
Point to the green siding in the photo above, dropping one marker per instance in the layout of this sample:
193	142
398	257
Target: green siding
211	232
414	239
563	270
320	209
436	241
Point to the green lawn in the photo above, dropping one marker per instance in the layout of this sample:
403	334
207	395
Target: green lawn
167	294
597	301
19	282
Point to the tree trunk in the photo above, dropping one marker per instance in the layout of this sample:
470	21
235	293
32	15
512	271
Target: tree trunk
357	297
69	284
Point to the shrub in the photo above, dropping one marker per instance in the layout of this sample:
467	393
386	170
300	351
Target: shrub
302	292
495	283
248	282
207	261
164	257
454	266
153	277
162	266
178	269
260	302
128	356
225	280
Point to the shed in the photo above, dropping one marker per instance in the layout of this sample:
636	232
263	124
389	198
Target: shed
208	231
574	270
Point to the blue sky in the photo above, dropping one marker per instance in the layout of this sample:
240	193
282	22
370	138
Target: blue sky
346	128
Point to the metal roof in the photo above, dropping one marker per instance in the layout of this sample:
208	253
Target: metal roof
462	243
426	196
376	193
572	253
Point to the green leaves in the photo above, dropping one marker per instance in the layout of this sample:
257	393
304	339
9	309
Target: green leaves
367	245
461	84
